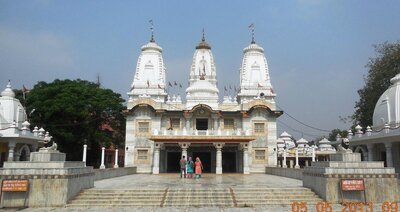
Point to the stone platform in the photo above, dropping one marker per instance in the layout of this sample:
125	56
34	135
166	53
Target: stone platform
324	178
51	180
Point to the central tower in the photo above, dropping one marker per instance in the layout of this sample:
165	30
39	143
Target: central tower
203	78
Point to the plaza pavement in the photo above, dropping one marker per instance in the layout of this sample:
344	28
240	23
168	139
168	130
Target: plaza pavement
208	180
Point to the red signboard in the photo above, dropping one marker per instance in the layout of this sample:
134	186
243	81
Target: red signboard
353	185
14	185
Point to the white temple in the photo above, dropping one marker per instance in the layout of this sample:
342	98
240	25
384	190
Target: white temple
381	142
235	135
16	139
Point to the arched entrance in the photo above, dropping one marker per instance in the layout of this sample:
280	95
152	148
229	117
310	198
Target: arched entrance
24	153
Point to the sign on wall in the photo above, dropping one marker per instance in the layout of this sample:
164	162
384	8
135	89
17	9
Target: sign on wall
14	185
352	185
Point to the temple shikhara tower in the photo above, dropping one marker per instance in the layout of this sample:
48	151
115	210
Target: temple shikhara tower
233	134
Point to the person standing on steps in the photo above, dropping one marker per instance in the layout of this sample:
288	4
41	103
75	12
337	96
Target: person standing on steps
182	163
189	168
198	167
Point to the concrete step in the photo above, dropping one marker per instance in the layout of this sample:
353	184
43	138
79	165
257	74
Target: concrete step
111	205
276	198
190	204
244	204
116	201
119	192
118	198
123	192
193	197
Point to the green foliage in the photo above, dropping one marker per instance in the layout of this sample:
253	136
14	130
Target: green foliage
73	111
333	134
382	68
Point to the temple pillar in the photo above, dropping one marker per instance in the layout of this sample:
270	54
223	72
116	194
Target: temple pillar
184	147
370	148
389	157
11	147
284	159
156	160
218	147
102	166
84	154
313	154
116	159
297	166
246	168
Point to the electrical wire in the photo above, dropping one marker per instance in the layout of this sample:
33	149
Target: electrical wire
307	125
291	128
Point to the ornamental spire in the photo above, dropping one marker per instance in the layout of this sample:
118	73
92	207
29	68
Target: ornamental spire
152	31
252	33
204	37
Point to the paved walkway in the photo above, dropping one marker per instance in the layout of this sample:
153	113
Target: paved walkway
207	180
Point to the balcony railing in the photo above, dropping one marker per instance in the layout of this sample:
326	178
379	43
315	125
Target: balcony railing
191	132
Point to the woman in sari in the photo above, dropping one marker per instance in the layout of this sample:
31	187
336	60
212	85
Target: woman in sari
189	168
198	167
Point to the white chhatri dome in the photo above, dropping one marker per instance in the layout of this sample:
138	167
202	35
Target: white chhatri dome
325	145
8	91
387	109
11	110
302	141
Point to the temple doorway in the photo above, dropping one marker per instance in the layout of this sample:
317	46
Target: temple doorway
173	159
229	162
205	158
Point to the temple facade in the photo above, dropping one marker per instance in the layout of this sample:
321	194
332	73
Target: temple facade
234	135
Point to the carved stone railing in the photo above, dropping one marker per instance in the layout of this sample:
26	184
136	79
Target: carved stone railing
194	132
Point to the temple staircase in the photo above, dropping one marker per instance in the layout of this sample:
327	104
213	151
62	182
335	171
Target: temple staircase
194	197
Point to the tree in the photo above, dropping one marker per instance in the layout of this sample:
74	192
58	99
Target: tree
382	68
74	112
332	135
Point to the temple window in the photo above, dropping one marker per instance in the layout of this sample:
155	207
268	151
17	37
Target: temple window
260	154
175	123
259	128
142	154
143	127
229	124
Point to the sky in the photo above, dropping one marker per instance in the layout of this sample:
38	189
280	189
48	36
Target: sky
316	50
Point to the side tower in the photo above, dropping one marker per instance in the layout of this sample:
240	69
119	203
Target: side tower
149	79
254	75
203	78
147	94
257	99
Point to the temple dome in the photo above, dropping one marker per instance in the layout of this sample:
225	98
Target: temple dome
202	86
152	46
8	91
253	47
203	44
11	109
387	109
325	145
